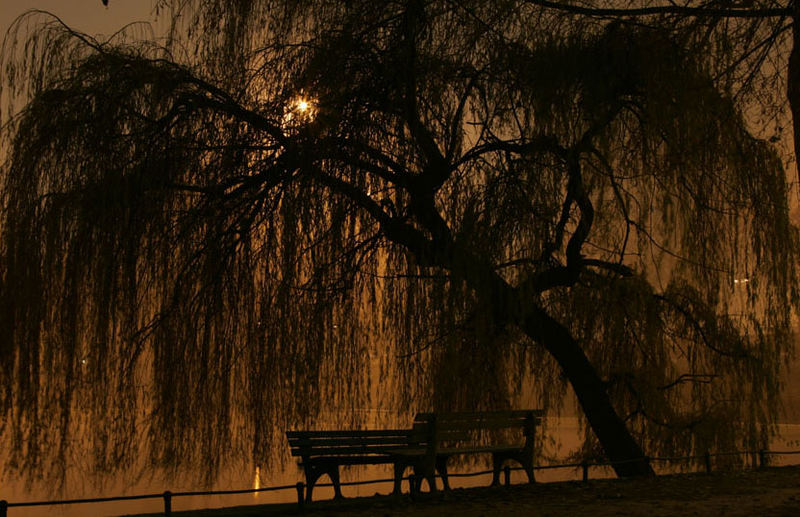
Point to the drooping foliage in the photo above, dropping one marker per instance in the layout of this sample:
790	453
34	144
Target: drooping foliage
290	212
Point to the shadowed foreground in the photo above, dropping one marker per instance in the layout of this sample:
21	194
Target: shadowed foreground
773	492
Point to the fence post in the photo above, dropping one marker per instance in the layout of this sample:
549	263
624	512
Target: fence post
762	458
167	503
300	492
3	508
585	467
507	475
707	457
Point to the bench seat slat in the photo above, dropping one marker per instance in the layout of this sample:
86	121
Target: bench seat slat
353	460
451	451
454	451
325	442
347	433
344	450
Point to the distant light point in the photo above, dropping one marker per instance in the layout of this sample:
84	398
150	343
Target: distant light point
300	110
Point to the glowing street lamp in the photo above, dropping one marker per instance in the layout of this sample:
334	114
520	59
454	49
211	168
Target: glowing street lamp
300	110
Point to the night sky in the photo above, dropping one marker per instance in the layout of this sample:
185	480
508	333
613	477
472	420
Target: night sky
89	16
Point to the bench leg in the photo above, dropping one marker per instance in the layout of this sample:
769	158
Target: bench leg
527	464
441	466
313	473
431	479
427	473
525	460
399	470
337	487
497	465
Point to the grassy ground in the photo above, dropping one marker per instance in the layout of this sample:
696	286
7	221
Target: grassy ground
766	492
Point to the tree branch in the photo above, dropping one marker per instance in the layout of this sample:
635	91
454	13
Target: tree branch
541	144
699	327
701	378
697	12
615	267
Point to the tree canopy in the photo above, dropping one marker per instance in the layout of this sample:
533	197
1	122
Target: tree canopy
287	211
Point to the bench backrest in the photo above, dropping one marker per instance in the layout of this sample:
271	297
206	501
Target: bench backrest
430	431
473	426
348	443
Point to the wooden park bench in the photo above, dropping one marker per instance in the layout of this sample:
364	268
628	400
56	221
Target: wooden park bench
441	436
322	452
426	447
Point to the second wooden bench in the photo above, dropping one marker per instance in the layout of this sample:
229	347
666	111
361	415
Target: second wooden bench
441	436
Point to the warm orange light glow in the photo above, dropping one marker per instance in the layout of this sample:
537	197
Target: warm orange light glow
300	110
257	481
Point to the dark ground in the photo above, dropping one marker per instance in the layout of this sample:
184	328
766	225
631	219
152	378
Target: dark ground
766	492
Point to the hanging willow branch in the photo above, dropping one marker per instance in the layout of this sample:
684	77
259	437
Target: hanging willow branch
190	264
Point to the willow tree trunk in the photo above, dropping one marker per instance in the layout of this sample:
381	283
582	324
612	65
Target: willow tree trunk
510	306
793	82
618	444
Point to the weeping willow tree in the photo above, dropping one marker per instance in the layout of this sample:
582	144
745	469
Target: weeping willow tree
287	210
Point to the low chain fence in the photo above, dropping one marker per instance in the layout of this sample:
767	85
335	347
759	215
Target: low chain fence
760	458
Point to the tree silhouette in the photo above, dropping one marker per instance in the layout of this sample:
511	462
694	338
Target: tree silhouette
207	242
755	44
